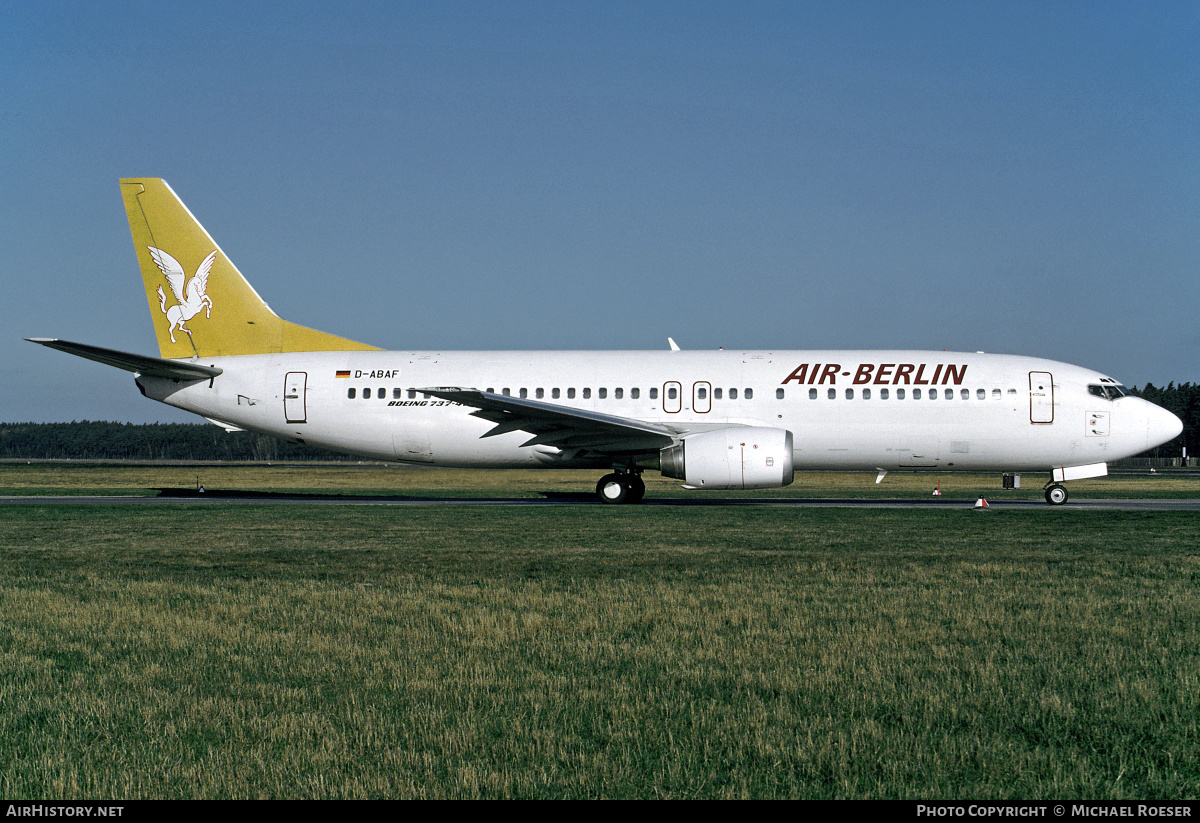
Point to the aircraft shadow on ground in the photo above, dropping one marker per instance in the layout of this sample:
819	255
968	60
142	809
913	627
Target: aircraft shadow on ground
544	498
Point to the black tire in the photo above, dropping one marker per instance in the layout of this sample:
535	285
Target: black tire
1056	495
612	489
637	488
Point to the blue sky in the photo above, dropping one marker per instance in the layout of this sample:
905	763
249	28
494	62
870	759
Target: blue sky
1010	177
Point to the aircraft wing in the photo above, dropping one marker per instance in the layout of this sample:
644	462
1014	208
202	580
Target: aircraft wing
149	366
560	426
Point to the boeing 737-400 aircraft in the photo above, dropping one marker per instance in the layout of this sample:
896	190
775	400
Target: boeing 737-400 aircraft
715	420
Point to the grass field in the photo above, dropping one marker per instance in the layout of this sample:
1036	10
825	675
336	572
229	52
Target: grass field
591	651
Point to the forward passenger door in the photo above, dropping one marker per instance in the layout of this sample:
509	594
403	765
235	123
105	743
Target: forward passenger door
1041	397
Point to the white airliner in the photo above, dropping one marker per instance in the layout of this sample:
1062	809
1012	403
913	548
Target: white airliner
715	420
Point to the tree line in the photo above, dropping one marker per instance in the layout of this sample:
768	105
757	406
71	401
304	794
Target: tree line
95	440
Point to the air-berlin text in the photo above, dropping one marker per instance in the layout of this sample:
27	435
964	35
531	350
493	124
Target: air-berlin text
880	374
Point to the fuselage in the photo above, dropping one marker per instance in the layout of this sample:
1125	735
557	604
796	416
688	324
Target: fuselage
846	410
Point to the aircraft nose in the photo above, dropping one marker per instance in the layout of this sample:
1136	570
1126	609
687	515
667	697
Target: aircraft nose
1161	425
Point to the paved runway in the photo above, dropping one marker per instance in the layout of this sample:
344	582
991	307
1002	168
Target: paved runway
190	498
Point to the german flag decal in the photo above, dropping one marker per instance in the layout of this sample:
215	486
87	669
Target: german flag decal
345	373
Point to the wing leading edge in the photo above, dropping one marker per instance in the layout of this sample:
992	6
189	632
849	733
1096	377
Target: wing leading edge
560	426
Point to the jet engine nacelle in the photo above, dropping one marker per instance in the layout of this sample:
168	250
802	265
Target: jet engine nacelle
735	458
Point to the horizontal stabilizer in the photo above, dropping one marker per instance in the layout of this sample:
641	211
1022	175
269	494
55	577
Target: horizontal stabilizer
149	366
229	427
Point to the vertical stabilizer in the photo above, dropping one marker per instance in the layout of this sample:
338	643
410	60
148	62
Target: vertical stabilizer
199	302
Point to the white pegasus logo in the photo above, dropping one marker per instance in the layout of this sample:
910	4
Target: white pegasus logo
191	298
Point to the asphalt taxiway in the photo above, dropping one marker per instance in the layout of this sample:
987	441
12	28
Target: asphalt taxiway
233	498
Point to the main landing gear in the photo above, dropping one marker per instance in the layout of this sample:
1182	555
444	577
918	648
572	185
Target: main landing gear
621	487
1056	494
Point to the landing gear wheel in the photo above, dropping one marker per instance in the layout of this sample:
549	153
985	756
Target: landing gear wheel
1056	495
637	488
621	487
612	489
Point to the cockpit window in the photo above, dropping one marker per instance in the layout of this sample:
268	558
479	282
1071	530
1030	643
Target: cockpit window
1109	391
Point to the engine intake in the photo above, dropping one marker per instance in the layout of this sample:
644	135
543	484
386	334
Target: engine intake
747	457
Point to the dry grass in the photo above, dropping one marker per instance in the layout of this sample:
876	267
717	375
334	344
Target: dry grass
379	479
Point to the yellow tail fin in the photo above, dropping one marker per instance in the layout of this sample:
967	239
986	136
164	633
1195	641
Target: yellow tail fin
200	303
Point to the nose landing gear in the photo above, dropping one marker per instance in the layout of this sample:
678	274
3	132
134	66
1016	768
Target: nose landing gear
621	487
1056	494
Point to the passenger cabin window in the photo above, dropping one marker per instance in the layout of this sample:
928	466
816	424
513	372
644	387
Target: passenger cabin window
981	394
717	394
849	394
672	393
748	394
866	395
916	394
779	394
381	394
832	394
539	394
618	394
883	394
350	393
587	394
554	394
602	393
571	394
899	394
397	394
634	394
733	394
812	394
654	393
366	394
